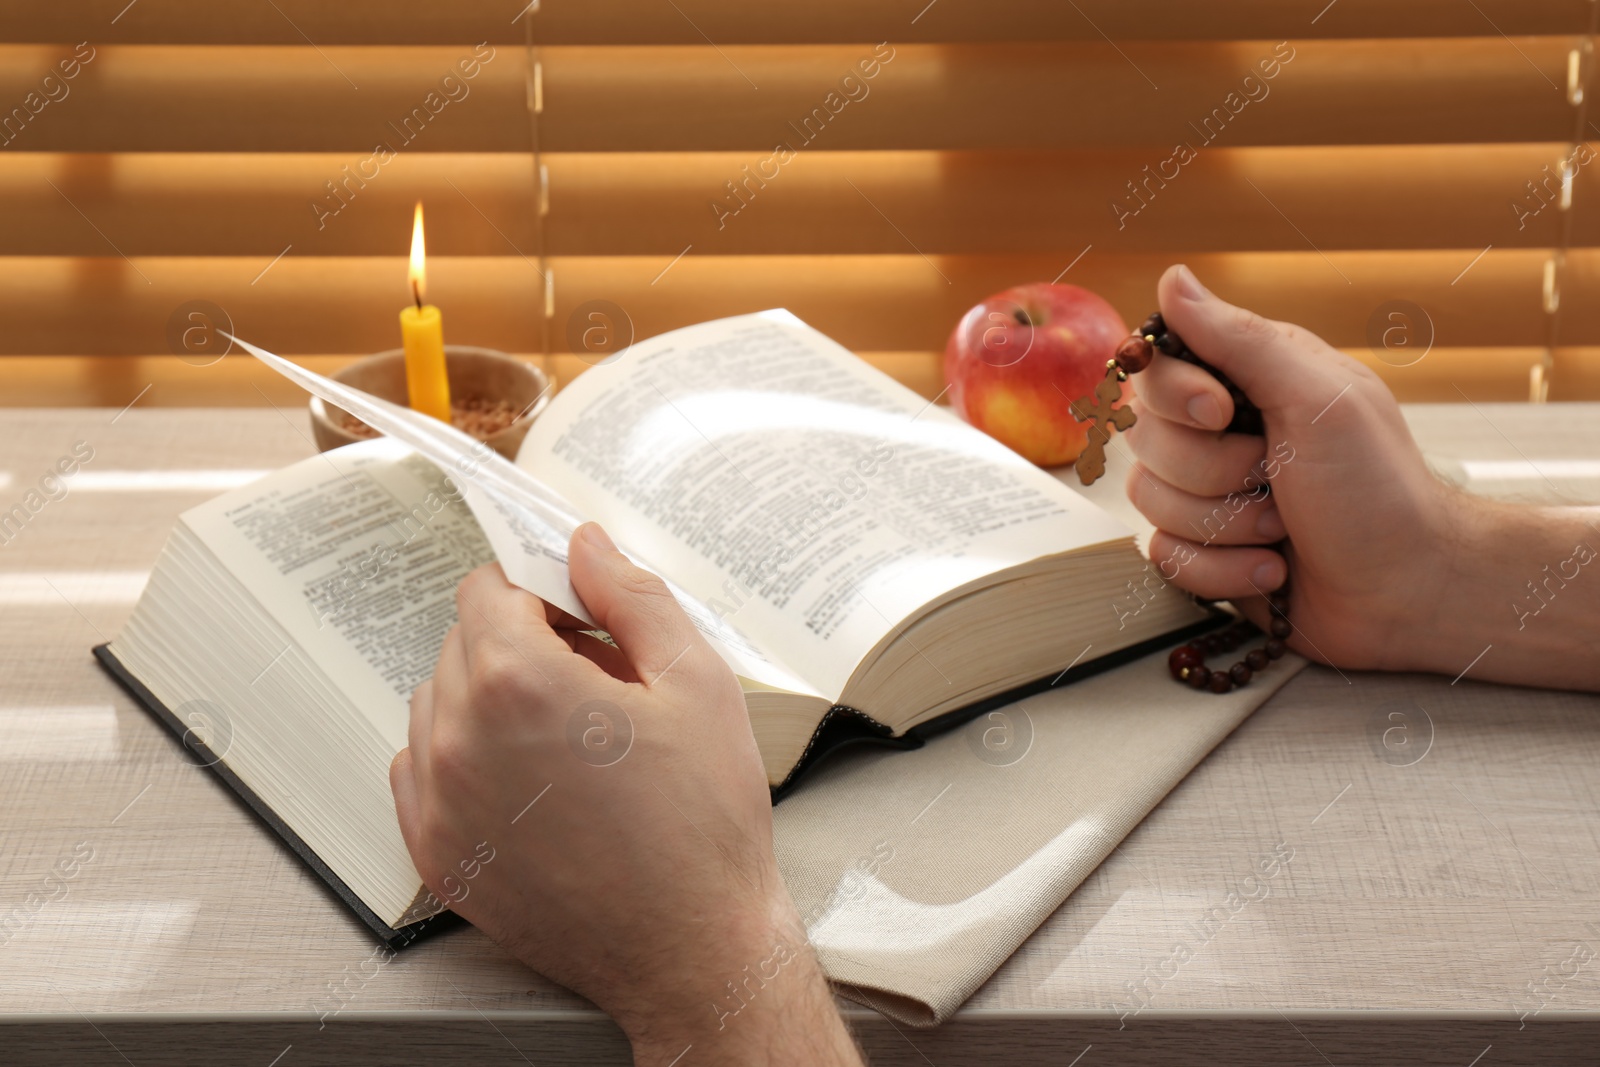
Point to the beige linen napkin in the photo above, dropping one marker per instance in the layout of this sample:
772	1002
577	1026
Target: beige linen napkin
919	873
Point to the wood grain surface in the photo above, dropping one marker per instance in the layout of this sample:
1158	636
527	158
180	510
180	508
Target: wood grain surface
1442	901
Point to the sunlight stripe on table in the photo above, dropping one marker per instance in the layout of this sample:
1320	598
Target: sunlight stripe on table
1509	470
61	733
160	481
71	588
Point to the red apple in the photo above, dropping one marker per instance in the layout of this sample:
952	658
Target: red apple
1016	361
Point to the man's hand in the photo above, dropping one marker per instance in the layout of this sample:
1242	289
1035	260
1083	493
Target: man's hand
1388	567
619	797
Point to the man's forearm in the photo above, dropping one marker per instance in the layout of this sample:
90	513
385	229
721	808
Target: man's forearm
790	1021
1523	604
768	1005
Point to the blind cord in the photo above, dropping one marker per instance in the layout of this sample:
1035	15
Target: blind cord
541	177
1580	76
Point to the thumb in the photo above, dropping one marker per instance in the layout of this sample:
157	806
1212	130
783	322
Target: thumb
635	607
1280	367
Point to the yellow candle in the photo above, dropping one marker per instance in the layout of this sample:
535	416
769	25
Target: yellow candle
422	333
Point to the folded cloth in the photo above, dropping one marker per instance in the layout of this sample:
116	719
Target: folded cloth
919	873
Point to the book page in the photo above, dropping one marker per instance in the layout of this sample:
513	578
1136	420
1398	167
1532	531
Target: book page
357	553
528	523
792	487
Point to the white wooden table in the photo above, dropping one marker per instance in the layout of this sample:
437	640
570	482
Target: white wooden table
1442	903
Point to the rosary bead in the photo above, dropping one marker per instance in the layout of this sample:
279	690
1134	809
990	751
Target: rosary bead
1183	656
1280	604
1154	326
1187	662
1134	355
1170	343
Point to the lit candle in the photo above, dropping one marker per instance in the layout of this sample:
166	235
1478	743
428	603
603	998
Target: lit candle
422	333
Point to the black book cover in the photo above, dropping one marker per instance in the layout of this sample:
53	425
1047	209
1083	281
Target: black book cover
843	726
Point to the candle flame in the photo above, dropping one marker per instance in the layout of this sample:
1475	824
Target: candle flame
417	275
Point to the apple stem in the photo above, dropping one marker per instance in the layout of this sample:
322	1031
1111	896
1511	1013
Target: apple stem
1022	317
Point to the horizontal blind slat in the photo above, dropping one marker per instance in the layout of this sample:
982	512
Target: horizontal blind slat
264	99
207	203
881	303
741	22
750	98
1227	199
1483	374
1057	96
912	302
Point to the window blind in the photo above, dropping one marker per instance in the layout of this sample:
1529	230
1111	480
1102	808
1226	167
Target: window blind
1413	182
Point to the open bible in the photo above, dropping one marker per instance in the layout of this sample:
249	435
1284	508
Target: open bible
868	565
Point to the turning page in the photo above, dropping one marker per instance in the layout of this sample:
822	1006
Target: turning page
790	486
528	523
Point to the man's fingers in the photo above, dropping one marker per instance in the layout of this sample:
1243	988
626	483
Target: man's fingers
560	619
407	803
1198	461
450	679
419	732
1238	519
574	631
1216	573
635	608
607	657
1183	393
499	620
1282	368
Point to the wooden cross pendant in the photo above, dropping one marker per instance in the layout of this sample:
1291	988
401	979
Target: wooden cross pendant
1104	416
